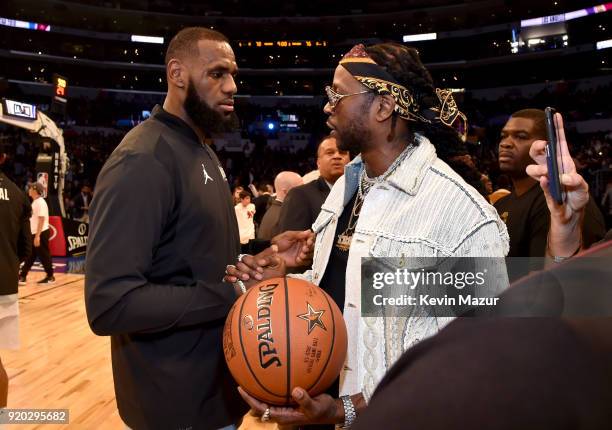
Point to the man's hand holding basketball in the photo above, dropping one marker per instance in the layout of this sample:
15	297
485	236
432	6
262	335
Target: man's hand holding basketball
321	409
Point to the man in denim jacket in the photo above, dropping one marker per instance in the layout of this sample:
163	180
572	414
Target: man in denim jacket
397	199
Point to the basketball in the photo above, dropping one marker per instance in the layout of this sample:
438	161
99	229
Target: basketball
284	333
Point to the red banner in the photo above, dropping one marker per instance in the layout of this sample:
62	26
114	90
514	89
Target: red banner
57	240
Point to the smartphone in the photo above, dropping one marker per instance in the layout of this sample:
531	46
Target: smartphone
553	158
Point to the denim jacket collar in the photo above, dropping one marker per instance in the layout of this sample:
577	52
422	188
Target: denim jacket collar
407	177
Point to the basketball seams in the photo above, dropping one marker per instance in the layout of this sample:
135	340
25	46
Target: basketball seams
333	342
288	335
246	360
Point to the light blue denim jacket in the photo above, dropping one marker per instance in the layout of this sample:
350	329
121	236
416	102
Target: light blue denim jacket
423	209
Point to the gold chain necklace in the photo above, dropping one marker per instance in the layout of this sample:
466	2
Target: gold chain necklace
365	184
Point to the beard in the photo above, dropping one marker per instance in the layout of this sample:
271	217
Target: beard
206	118
354	138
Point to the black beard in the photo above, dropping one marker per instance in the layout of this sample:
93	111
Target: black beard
204	117
354	138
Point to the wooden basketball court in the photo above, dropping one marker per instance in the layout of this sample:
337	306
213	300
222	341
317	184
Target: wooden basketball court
61	364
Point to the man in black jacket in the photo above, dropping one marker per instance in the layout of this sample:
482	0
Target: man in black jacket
303	204
15	246
81	204
262	201
163	228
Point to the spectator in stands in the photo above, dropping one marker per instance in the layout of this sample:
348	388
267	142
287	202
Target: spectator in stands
303	203
283	183
262	201
524	210
236	194
81	204
245	210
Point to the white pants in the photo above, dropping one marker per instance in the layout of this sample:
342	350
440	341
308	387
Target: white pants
9	322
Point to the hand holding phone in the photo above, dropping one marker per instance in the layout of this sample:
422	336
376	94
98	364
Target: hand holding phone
575	191
554	160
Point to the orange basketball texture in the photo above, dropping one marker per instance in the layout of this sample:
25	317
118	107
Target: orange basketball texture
284	333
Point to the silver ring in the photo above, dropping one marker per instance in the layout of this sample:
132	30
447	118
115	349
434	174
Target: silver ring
266	416
241	285
227	267
241	256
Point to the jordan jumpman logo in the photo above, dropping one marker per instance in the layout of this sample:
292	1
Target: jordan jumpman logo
206	175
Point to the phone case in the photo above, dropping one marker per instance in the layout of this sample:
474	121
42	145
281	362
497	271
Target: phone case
552	152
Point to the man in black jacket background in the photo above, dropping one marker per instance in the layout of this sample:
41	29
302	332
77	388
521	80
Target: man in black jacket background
303	204
15	246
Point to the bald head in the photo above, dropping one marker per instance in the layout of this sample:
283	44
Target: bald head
284	181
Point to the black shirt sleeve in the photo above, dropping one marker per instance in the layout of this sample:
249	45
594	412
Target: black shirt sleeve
132	205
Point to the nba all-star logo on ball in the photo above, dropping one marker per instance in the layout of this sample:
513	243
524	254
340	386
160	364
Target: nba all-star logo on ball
314	318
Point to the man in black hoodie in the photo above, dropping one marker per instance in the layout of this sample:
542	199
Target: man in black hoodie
15	246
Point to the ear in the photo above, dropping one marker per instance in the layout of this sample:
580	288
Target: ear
385	106
176	73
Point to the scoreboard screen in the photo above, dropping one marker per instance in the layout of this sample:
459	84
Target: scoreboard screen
60	87
19	110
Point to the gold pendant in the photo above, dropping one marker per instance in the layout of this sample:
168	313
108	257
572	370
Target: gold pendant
344	242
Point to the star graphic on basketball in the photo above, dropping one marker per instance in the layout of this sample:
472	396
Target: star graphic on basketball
313	317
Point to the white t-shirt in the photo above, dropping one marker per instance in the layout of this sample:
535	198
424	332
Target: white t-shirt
246	226
39	208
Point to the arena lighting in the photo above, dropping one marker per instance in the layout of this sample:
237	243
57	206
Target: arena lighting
270	126
562	17
418	37
532	42
281	43
147	39
603	44
24	24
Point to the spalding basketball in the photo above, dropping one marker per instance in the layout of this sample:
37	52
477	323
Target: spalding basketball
284	333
